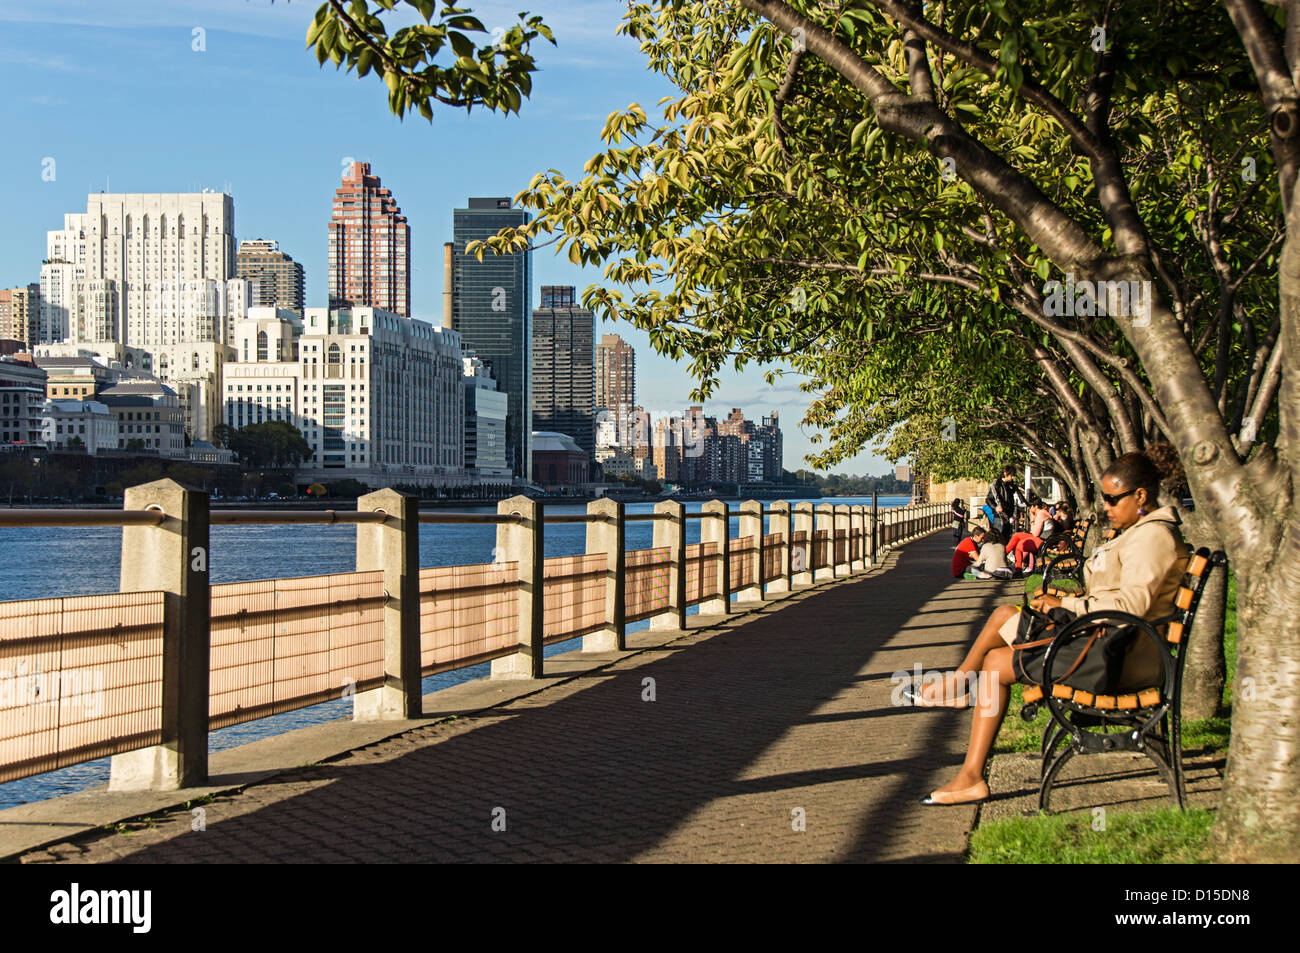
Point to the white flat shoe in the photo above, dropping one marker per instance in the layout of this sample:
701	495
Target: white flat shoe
975	794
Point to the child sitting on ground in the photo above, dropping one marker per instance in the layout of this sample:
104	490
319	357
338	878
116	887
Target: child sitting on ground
967	550
992	562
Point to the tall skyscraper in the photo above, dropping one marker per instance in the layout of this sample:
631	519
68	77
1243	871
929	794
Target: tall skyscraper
616	383
563	371
276	280
143	270
491	305
369	246
149	276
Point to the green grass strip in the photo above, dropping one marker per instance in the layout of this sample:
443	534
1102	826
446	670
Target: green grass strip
1161	836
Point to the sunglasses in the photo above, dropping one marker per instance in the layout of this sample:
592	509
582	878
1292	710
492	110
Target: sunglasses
1113	499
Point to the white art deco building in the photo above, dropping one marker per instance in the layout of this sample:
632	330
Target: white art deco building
378	397
153	272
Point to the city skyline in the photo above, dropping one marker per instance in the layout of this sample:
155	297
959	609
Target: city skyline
282	185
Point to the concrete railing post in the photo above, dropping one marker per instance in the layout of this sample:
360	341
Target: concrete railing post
779	522
873	533
522	542
671	532
607	535
751	527
173	557
394	547
801	557
715	527
826	521
842	525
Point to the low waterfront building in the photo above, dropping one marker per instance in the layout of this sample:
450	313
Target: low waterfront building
378	397
206	454
79	425
558	461
615	462
22	400
75	377
149	417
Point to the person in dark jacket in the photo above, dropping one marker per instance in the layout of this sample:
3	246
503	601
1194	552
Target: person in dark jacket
1006	500
959	516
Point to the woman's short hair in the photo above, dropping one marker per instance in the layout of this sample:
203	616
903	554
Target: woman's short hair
1008	470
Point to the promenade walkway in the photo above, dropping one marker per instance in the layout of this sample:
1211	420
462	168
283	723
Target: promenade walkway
759	726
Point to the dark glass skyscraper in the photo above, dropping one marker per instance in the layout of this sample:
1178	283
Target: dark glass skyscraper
564	385
492	309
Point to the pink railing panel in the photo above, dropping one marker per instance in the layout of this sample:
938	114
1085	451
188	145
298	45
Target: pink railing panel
468	614
283	644
744	563
80	678
772	556
574	595
645	590
701	572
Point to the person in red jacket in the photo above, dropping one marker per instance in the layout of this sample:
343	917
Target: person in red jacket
967	550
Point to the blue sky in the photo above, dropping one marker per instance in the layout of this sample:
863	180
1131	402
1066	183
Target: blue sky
116	94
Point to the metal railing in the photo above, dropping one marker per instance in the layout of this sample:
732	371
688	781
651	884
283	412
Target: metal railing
146	673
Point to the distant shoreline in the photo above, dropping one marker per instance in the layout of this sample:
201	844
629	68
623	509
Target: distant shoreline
349	504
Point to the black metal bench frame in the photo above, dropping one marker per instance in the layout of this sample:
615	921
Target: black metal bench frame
1151	722
1067	563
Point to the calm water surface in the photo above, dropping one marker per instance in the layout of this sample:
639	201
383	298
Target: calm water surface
38	563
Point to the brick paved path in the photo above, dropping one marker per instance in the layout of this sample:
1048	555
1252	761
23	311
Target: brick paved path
787	714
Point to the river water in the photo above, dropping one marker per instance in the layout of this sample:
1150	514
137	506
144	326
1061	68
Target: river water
45	562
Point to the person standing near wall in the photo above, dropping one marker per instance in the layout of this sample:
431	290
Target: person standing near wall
1003	499
959	515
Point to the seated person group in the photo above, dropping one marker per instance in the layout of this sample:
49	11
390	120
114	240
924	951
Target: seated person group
1139	571
985	555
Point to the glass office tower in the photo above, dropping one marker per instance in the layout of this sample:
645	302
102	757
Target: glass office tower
492	310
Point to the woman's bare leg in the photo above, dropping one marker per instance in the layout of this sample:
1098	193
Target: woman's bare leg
954	685
997	678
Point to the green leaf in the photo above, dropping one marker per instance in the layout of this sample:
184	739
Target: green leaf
859	131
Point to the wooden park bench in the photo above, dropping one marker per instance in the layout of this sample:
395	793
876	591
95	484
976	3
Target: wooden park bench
1147	721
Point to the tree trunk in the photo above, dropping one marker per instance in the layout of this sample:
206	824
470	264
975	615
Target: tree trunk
1259	818
1206	669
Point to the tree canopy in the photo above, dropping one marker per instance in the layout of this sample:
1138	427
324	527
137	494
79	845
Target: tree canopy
413	61
271	444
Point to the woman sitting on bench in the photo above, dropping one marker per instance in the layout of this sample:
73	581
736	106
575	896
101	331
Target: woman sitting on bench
1138	572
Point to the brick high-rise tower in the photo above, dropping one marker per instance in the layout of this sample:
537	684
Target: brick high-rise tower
616	382
370	246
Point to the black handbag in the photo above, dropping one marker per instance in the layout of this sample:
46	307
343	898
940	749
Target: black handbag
1092	662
